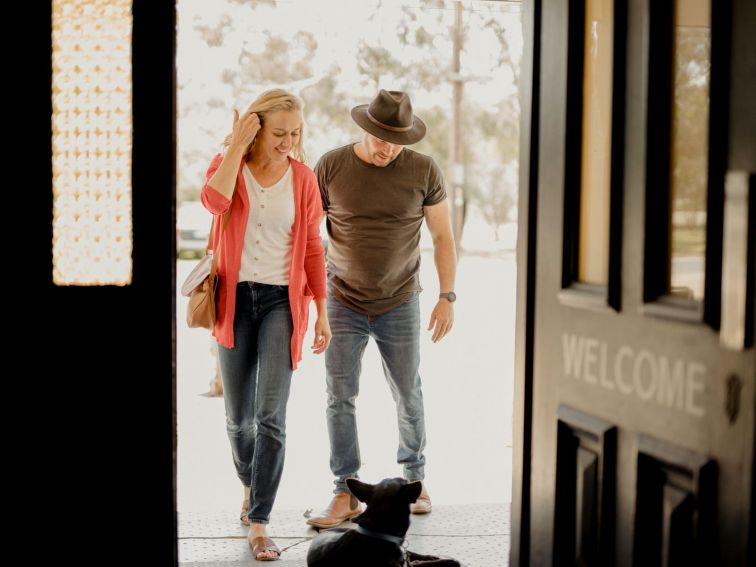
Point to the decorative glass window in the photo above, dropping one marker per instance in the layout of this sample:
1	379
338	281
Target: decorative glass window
691	67
92	140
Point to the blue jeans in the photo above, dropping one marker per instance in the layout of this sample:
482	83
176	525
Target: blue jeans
397	335
256	381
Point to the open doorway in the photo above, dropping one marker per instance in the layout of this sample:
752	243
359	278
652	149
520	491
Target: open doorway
460	63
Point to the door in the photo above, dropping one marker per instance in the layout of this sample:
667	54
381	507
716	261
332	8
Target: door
636	369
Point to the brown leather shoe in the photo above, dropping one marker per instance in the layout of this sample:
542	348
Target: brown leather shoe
423	504
342	508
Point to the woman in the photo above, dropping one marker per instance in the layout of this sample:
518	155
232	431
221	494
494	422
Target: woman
271	264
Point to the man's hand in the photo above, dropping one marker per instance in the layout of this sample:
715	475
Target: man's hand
442	319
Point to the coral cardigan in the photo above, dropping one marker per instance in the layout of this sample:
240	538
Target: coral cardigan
307	275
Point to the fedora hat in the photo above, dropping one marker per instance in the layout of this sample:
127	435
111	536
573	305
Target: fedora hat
389	117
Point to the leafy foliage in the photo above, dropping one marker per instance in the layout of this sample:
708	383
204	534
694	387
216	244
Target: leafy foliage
244	53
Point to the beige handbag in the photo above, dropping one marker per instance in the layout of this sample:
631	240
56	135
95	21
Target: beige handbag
202	283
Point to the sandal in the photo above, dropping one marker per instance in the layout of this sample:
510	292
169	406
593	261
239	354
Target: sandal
243	518
262	544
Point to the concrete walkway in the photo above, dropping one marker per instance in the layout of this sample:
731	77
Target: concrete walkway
476	535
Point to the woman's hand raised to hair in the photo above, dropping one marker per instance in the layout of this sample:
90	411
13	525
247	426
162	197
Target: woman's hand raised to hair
245	129
223	180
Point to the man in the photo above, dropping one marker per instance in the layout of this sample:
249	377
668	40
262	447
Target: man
376	194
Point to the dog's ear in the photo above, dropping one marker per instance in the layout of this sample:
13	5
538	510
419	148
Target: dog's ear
412	490
361	490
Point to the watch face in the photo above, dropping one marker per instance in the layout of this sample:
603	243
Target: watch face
451	296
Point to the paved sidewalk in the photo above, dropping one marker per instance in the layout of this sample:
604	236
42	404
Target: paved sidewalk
474	535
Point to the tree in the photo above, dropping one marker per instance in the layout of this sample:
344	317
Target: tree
497	203
486	139
375	63
245	52
690	131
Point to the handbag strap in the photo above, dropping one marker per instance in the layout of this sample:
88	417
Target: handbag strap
220	241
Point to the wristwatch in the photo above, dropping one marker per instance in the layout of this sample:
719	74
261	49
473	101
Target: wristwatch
449	296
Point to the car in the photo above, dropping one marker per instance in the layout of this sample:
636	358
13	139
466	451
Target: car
193	223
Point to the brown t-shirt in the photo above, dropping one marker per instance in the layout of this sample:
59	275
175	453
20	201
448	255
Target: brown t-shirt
374	219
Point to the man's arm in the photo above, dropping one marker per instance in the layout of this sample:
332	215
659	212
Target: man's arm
445	256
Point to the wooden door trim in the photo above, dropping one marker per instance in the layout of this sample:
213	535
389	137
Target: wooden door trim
526	271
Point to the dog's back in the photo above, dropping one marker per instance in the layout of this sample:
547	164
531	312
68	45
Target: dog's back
347	548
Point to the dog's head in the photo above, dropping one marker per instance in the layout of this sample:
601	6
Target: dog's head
388	503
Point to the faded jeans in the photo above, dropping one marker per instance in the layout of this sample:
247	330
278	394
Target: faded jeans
256	382
397	335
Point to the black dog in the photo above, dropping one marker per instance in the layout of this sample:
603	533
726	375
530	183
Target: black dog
378	539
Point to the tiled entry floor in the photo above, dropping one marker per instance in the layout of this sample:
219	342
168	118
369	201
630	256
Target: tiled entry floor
475	535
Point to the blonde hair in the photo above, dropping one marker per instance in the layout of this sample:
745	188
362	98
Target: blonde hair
273	101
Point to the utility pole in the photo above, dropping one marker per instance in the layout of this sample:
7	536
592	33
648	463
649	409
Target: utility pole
457	173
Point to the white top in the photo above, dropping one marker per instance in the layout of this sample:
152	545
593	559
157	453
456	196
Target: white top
266	256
